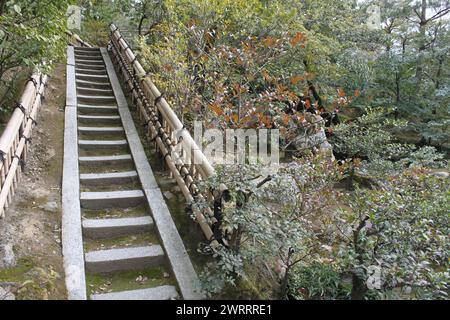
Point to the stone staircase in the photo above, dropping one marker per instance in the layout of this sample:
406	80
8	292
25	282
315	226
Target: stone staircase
119	199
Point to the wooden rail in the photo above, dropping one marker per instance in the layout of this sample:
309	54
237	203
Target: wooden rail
16	138
185	160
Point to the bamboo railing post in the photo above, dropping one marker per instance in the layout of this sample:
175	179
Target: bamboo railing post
179	152
15	138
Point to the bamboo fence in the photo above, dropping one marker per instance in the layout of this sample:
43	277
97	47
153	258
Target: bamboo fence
16	137
185	160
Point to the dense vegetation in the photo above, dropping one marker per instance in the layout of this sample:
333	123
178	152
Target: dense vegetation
316	229
32	36
372	225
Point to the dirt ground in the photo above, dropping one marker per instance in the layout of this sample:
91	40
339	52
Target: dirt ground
33	222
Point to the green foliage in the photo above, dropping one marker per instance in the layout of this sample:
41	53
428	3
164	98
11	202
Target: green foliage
244	63
411	67
95	32
260	228
97	15
241	64
224	271
32	35
426	157
11	90
370	137
401	228
316	281
436	131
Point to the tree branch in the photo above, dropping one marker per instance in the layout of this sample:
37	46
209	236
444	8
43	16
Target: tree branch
144	16
439	14
418	14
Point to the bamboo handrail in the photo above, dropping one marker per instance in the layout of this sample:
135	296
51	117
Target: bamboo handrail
15	138
163	106
163	124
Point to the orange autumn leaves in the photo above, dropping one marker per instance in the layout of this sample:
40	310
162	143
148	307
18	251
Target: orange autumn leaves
251	96
251	119
216	109
295	79
344	98
298	38
342	94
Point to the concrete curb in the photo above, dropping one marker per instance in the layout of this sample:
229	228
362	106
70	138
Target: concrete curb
72	242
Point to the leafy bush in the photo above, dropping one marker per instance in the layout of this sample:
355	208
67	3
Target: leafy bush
400	228
32	36
95	32
316	281
11	91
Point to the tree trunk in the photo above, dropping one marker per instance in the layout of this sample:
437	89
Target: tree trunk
350	180
312	88
2	6
422	25
316	95
284	284
397	87
141	23
235	243
359	287
285	281
438	74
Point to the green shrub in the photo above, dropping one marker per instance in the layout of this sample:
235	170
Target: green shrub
316	281
96	32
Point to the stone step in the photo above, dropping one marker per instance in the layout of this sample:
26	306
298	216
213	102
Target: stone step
97	109
94	91
111	199
100	130
155	293
105	76
93	179
88	56
90	67
102	144
91	84
89	62
111	260
99	119
96	98
92	56
92	77
105	160
89	70
87	49
110	228
85	59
